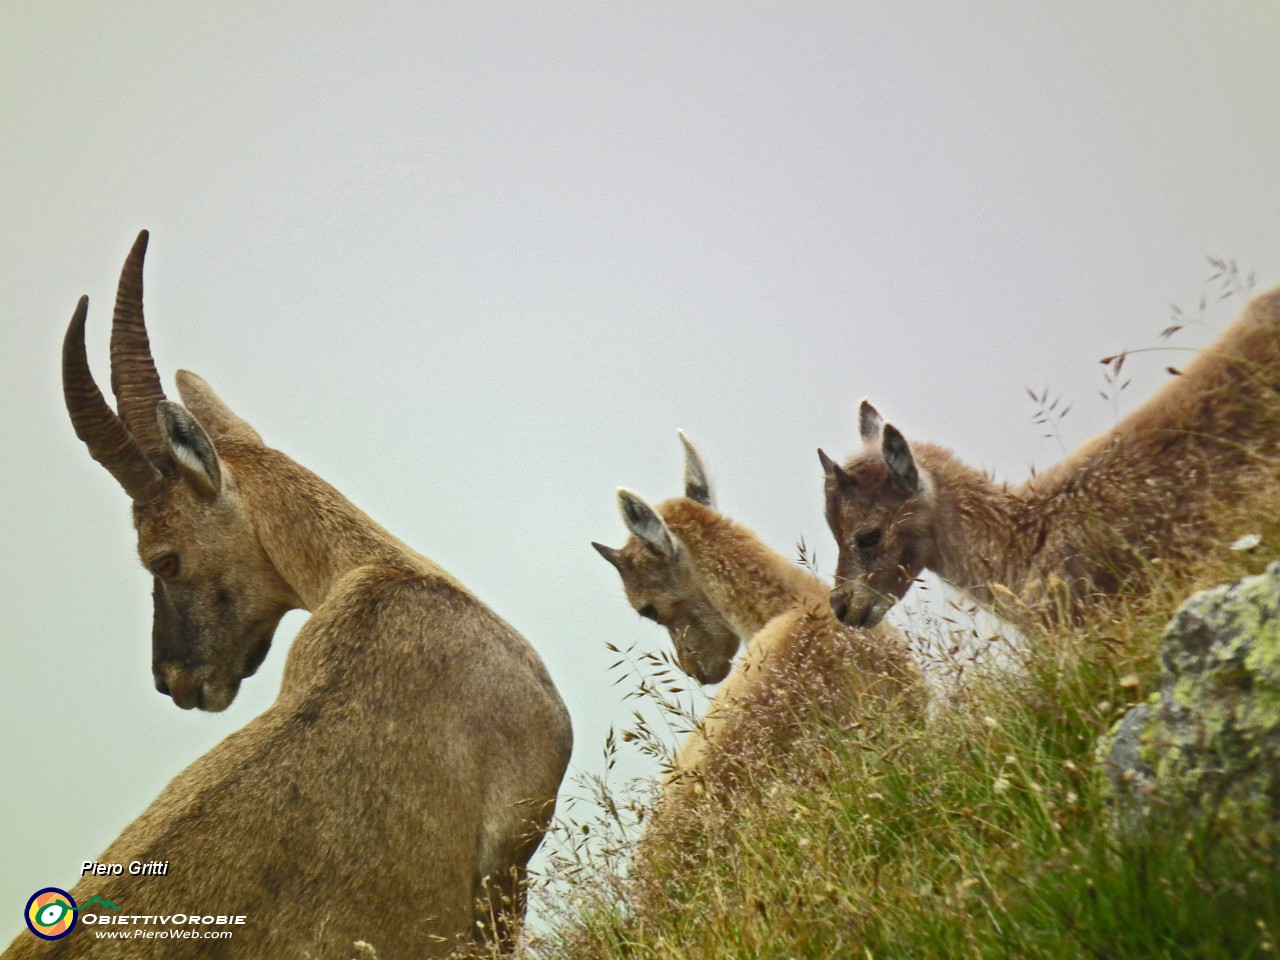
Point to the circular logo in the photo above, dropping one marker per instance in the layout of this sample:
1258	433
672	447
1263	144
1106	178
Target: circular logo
51	913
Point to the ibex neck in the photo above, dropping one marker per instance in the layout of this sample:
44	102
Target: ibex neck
1151	485
977	522
311	532
749	583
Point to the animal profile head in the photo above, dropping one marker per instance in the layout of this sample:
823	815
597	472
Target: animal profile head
880	511
661	581
217	597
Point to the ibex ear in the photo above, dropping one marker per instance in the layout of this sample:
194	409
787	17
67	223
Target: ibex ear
191	448
870	423
897	455
211	411
697	485
645	524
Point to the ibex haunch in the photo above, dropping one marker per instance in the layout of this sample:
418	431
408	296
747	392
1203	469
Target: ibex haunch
716	586
1155	489
397	787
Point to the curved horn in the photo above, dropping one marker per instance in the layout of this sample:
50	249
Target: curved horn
106	436
134	380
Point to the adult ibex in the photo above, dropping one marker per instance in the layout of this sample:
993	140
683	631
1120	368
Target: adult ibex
1156	490
397	787
716	586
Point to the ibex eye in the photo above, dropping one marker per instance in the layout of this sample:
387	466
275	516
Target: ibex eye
166	566
649	613
868	540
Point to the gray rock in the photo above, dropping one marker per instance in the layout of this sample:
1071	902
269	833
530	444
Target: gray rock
1209	741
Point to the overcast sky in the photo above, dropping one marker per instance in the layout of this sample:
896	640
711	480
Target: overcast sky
475	263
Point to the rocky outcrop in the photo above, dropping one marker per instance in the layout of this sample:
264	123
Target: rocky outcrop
1209	742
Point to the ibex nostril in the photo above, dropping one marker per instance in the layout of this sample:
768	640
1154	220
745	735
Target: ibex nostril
161	685
839	605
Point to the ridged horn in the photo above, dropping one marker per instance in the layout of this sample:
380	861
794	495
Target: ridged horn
134	380
95	423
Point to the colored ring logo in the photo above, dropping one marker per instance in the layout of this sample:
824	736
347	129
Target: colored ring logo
51	913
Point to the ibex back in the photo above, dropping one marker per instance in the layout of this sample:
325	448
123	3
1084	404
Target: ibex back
1154	492
397	787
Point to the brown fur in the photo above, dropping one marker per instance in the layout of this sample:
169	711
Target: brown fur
1149	493
800	665
397	787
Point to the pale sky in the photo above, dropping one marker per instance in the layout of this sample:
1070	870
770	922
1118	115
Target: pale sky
474	263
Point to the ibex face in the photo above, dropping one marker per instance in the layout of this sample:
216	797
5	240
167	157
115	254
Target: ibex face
217	596
662	585
880	512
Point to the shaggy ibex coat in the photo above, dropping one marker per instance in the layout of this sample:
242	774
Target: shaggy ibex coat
397	787
715	586
1155	491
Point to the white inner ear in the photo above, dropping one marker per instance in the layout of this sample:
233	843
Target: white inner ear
187	457
643	521
897	454
898	463
695	471
190	446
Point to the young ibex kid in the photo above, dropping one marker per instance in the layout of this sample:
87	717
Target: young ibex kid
716	586
1153	492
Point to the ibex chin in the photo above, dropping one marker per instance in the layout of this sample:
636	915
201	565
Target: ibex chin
1157	489
397	787
716	586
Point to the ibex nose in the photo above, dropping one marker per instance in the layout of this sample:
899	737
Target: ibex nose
180	685
839	604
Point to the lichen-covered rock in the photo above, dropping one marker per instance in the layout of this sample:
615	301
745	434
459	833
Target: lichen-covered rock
1209	742
1129	776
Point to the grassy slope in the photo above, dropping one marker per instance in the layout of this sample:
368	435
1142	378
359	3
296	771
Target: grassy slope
981	834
